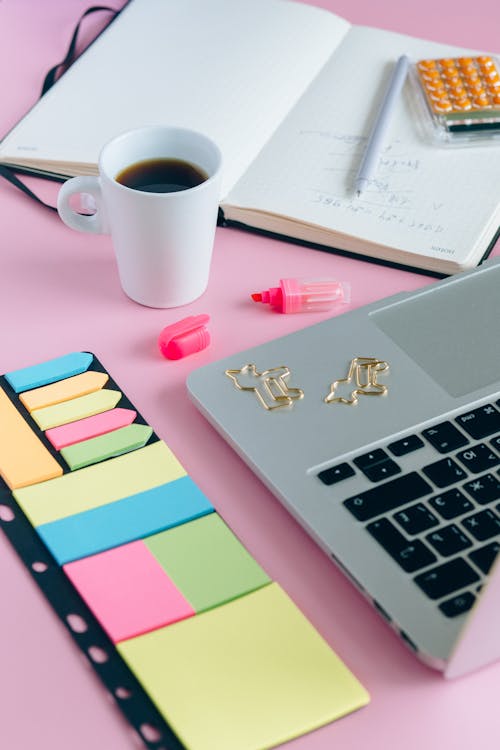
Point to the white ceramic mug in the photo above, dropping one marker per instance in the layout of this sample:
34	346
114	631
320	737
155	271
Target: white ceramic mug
163	241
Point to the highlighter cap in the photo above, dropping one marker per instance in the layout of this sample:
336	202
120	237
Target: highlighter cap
185	337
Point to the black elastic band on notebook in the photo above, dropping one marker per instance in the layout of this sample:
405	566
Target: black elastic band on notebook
49	80
69	58
9	175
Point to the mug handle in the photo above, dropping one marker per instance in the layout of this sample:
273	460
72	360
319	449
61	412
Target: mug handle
96	223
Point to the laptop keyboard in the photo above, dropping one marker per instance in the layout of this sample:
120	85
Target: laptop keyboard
439	521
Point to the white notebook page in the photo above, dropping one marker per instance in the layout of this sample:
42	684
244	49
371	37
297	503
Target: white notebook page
230	68
425	199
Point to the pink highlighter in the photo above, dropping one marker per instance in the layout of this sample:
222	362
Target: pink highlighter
305	295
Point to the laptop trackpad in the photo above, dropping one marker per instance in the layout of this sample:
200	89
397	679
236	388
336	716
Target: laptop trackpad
433	327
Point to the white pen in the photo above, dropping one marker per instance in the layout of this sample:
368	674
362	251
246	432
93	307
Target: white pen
377	135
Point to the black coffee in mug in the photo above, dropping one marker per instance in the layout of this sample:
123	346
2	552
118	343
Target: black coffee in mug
161	175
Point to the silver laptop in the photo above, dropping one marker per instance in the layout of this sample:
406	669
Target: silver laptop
379	430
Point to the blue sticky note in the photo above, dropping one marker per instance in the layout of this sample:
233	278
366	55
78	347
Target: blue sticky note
49	372
125	520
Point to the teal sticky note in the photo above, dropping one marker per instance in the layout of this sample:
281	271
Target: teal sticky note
124	520
49	372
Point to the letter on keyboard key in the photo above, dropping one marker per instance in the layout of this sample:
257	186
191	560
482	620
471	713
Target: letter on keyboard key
387	496
444	579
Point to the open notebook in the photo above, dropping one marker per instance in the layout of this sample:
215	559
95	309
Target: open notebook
289	92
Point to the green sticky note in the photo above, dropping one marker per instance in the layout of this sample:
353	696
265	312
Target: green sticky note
207	562
249	675
111	444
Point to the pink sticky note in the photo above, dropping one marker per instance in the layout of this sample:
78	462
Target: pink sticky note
128	591
90	427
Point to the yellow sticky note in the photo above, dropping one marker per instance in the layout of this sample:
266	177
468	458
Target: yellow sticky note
76	408
248	675
100	484
64	390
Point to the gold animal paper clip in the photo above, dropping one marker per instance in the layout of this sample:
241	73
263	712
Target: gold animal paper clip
365	371
269	386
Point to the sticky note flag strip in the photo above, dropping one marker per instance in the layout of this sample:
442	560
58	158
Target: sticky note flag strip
217	655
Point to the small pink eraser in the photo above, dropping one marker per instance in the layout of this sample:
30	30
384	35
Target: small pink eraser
187	336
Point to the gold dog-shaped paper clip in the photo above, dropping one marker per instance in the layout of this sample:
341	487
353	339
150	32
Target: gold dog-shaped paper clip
365	371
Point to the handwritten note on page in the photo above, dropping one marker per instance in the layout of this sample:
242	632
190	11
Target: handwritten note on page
423	199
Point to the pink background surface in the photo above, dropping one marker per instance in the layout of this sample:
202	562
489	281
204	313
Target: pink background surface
59	292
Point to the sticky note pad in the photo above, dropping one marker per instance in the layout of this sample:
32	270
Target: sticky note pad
128	591
49	372
90	427
120	477
259	674
24	460
63	390
124	520
106	446
77	408
207	562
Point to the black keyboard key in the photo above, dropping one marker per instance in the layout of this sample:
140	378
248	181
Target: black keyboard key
449	540
377	465
381	471
445	579
458	604
496	443
444	472
481	422
406	445
483	525
485	489
451	504
415	519
479	458
368	459
336	473
484	557
445	437
410	555
387	496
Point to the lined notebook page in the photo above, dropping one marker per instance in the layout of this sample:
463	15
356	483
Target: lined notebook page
230	68
428	200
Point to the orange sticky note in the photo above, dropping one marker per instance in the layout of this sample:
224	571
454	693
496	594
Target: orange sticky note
24	459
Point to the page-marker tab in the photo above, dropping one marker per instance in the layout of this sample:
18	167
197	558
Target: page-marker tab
77	408
106	446
49	372
64	390
24	460
90	427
